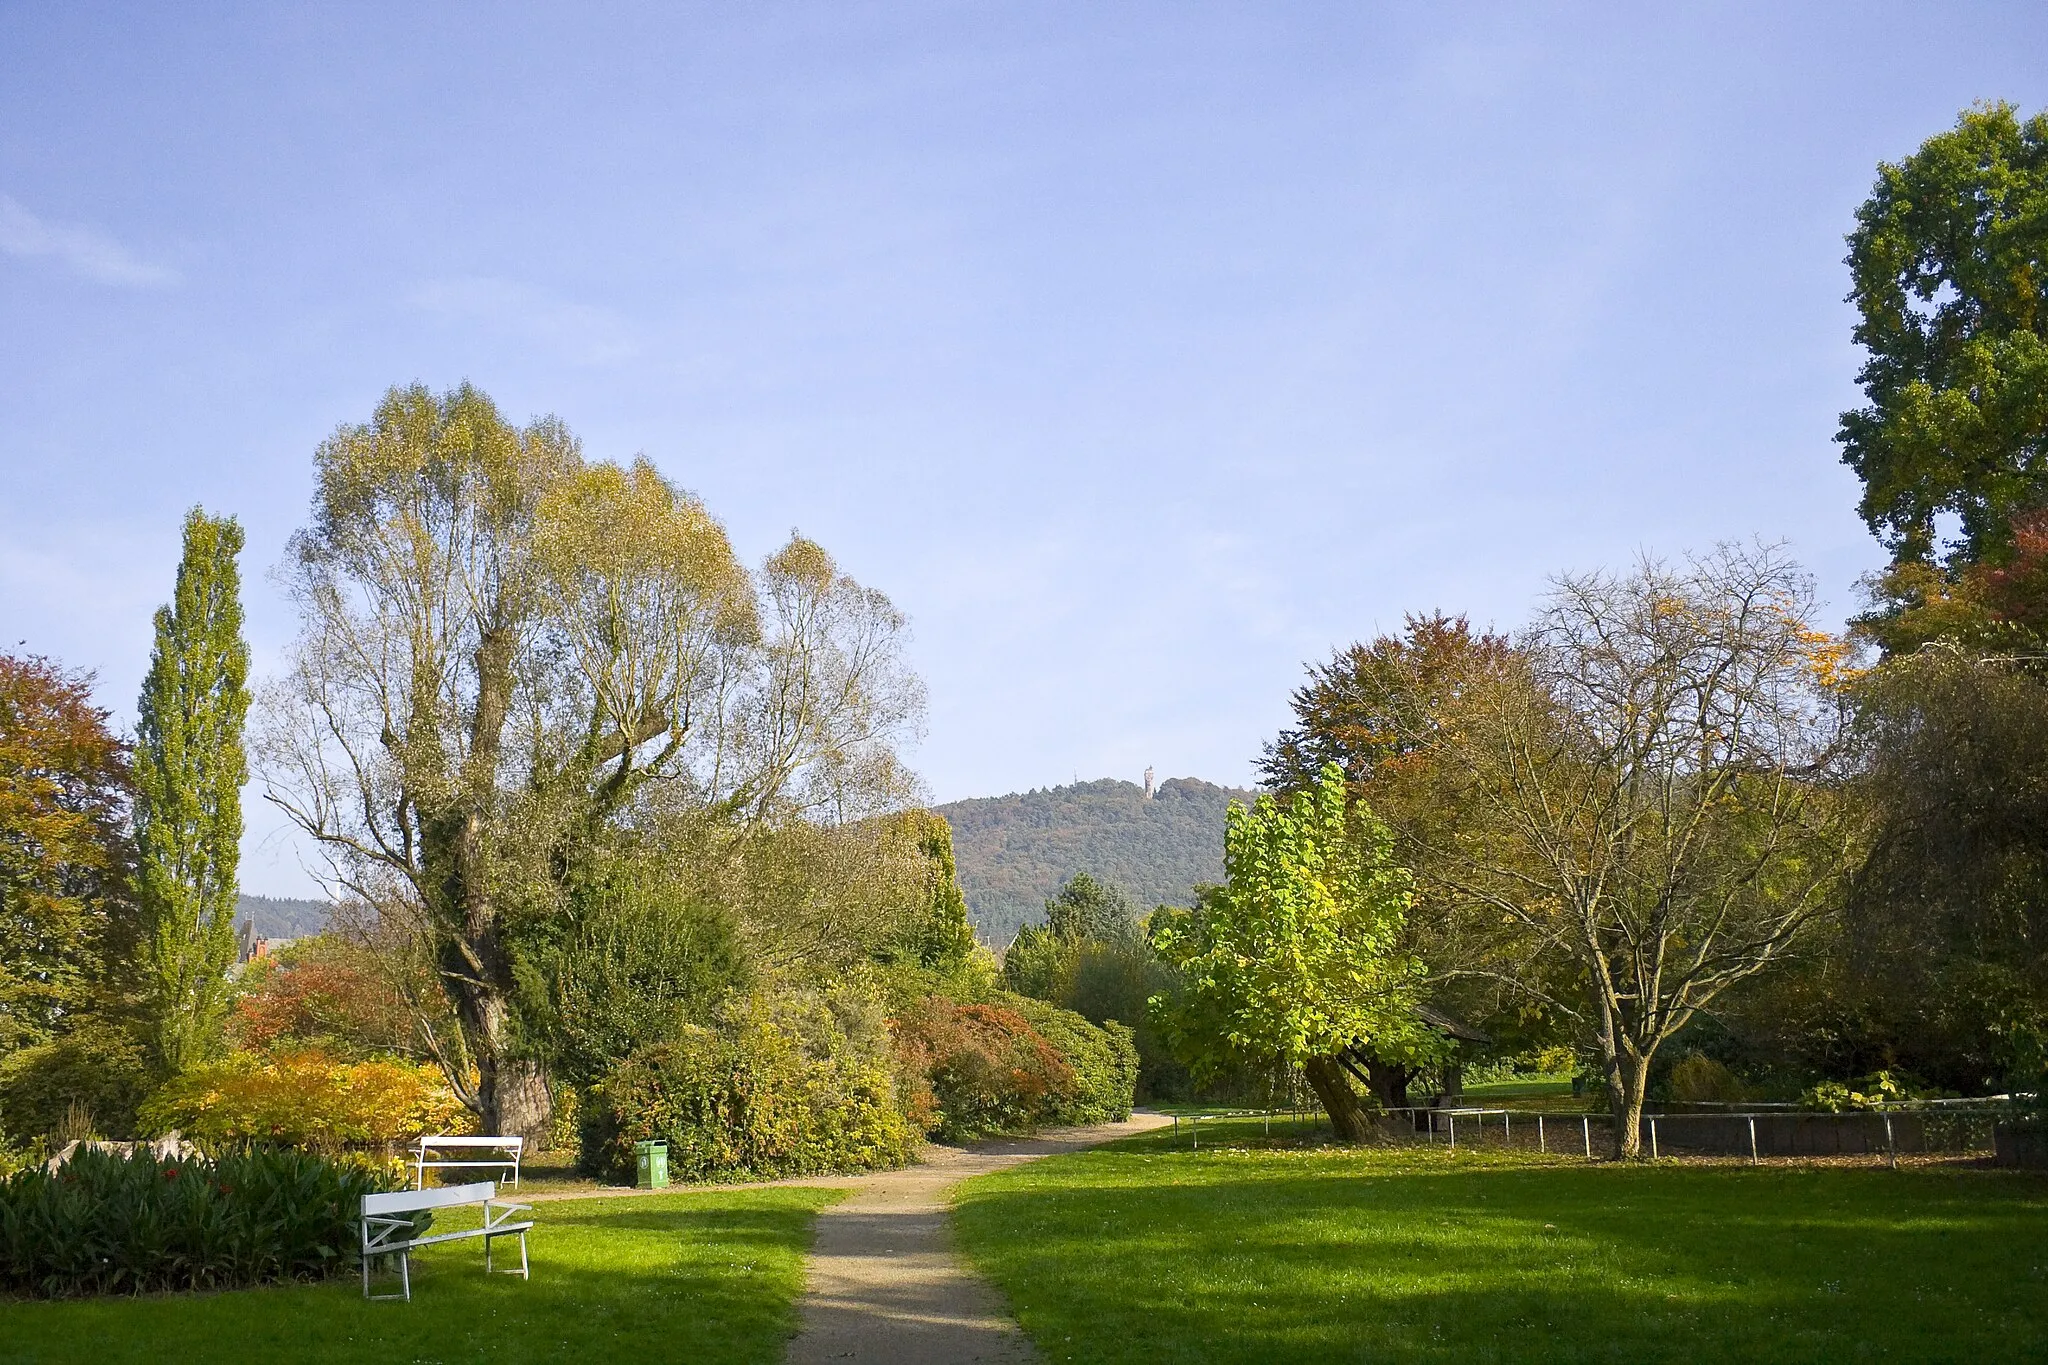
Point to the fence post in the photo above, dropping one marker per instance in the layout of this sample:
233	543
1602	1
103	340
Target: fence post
1891	1144
1454	1132
1507	1132
1653	1137
1587	1124
1752	1140
1539	1134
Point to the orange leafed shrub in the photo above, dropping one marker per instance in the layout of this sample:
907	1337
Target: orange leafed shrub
988	1070
320	997
306	1097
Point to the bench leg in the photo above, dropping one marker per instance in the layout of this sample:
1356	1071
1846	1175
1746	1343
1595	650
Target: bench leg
524	1272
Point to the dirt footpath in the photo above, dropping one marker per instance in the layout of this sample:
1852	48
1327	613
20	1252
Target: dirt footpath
885	1286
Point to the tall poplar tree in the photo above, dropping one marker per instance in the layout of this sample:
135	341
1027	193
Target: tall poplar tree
189	770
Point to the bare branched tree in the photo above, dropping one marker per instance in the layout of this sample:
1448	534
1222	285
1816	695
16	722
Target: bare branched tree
1651	797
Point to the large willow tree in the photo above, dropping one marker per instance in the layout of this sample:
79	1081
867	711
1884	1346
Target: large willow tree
510	652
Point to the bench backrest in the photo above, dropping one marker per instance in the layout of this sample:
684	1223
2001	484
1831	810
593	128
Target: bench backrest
508	1144
412	1201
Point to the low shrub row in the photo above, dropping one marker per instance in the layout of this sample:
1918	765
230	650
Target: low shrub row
1103	1058
105	1224
92	1079
1014	1064
796	1084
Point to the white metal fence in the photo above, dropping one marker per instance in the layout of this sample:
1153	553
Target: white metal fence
1952	1128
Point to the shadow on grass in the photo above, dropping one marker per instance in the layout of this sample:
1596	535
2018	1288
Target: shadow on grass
700	1277
1136	1253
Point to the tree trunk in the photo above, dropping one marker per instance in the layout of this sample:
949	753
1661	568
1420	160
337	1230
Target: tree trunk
1627	1078
512	1092
525	1106
1389	1082
1347	1116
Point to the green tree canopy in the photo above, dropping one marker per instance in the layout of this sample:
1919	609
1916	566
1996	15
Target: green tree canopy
1042	960
1372	705
1948	916
937	935
64	850
1297	957
1950	266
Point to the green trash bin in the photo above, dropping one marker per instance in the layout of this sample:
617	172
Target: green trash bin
652	1160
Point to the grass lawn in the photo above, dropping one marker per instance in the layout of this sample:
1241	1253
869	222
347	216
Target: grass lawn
702	1276
1243	1252
1549	1093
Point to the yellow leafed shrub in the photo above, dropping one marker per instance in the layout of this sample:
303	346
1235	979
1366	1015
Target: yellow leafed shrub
305	1097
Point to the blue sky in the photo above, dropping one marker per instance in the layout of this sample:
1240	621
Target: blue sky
1140	352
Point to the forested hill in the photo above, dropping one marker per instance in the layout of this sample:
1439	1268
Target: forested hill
1014	851
277	917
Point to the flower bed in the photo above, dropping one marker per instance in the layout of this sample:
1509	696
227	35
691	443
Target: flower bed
110	1224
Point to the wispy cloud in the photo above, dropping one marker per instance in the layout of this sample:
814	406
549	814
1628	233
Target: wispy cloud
582	333
82	249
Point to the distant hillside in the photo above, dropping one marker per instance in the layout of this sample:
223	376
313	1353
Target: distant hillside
279	918
1014	851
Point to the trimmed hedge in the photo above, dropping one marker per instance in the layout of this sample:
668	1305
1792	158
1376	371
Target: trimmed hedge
107	1224
791	1085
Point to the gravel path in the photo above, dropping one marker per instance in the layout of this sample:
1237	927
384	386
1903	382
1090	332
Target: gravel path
885	1287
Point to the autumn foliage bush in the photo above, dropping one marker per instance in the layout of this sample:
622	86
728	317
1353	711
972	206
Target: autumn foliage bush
305	1097
108	1224
789	1085
1012	1066
1103	1058
323	994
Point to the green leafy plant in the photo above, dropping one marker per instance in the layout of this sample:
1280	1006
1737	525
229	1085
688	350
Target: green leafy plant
790	1085
96	1071
108	1224
1699	1079
1874	1091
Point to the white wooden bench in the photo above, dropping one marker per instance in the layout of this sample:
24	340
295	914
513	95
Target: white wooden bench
388	1227
423	1150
